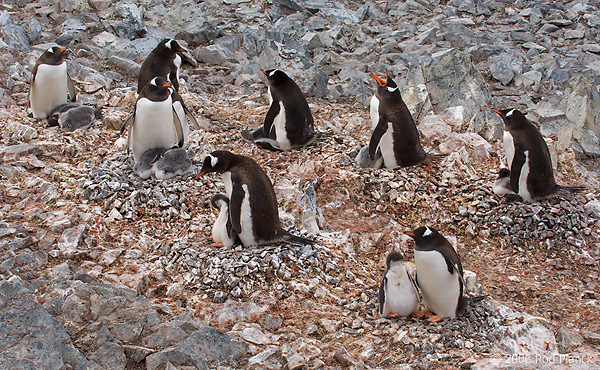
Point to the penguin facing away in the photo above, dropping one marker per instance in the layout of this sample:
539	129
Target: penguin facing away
253	206
51	85
439	275
394	129
164	62
154	122
289	122
398	293
223	234
528	158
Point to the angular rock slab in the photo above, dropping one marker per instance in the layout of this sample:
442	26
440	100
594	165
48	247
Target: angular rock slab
31	338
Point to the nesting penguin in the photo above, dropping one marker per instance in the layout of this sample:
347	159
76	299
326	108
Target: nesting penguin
394	130
398	293
51	85
528	158
439	275
252	203
163	61
223	234
157	121
73	116
289	122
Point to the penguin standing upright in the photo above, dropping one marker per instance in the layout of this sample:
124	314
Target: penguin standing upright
439	275
51	85
163	61
154	122
289	122
395	132
223	233
252	203
398	294
528	158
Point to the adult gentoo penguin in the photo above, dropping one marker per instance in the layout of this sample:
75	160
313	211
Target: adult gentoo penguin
289	122
223	234
163	61
395	132
439	275
252	203
528	158
51	85
398	294
154	122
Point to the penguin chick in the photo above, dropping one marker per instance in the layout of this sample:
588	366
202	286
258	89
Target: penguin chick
364	160
398	294
223	234
289	122
173	162
145	166
439	275
253	206
74	116
51	85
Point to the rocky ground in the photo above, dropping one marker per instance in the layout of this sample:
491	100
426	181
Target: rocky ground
103	270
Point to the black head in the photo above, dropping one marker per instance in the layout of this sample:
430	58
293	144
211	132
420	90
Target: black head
512	118
218	161
275	76
170	46
394	257
427	238
53	56
504	172
157	89
218	200
387	87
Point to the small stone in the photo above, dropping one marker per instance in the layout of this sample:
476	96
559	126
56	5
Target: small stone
568	338
342	357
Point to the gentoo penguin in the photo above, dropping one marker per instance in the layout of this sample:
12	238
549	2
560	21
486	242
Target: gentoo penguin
73	116
439	275
173	162
364	160
252	203
154	122
289	122
223	234
398	294
528	158
51	85
394	130
164	62
502	184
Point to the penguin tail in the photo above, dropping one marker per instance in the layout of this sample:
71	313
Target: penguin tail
476	299
297	240
570	189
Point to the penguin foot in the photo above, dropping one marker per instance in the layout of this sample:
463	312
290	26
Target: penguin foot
210	238
393	316
217	245
435	318
426	312
511	198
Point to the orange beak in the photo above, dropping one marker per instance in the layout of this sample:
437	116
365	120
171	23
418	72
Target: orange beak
497	111
409	233
63	49
181	50
263	71
405	259
167	85
201	173
381	82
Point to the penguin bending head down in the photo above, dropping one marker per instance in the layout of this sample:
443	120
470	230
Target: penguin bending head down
223	234
164	61
394	129
398	293
439	275
289	122
528	158
253	206
51	85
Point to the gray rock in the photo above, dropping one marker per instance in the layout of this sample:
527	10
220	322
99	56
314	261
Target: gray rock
30	337
559	75
567	338
505	68
34	30
294	361
132	26
342	357
136	353
15	37
215	54
267	359
128	66
70	239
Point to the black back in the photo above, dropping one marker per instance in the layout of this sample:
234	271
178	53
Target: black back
160	63
299	122
526	137
407	144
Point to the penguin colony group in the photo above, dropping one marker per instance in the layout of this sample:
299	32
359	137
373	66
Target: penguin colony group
248	213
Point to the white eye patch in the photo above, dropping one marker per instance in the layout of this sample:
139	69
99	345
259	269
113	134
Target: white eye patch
213	160
427	231
392	89
272	73
168	44
153	82
510	113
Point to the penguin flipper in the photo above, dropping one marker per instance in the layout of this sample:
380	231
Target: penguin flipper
291	238
382	288
274	110
178	129
71	89
378	133
129	139
128	122
515	169
235	203
191	117
415	286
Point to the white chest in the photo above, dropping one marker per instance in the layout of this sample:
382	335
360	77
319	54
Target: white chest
440	289
509	148
280	130
247	234
523	190
49	89
219	229
400	295
153	127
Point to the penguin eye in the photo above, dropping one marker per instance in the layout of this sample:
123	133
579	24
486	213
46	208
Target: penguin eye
427	232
